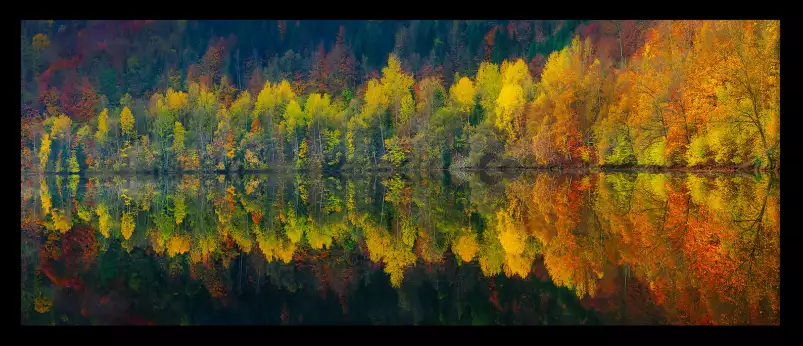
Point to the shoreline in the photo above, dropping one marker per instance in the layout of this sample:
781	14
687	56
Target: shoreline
568	170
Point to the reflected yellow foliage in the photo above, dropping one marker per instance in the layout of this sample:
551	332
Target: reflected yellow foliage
683	236
178	244
127	225
104	220
44	197
61	221
181	209
274	248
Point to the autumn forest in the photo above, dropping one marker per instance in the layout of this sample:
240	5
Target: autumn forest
465	172
164	96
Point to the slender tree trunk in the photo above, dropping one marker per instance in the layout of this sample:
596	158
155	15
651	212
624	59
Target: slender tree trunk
271	149
320	145
382	133
296	149
764	143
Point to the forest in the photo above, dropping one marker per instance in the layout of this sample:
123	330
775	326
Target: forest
170	96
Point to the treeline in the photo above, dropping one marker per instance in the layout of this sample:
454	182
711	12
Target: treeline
112	57
694	94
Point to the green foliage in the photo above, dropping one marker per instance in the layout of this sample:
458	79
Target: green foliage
465	94
622	153
698	153
397	151
347	95
108	85
74	168
178	137
44	152
653	155
332	149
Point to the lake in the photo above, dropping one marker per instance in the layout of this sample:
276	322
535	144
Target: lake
532	248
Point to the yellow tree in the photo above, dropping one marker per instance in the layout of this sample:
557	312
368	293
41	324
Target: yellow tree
376	99
178	142
489	84
320	112
395	86
240	113
265	106
509	106
127	122
561	97
176	101
375	104
178	138
406	114
62	128
103	126
517	73
74	168
269	108
44	151
463	95
749	96
294	120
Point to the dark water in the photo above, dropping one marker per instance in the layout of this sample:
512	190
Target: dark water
469	248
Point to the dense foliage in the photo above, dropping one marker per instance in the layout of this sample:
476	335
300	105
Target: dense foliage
179	95
637	248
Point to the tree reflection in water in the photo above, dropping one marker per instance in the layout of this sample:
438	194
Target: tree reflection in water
459	248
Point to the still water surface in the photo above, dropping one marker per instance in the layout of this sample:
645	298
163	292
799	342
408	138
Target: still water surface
443	248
